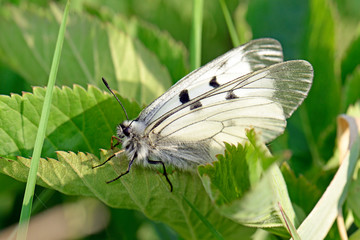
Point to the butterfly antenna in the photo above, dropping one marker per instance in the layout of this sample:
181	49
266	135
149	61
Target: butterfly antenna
107	85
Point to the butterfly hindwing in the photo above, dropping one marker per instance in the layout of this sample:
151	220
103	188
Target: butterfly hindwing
242	60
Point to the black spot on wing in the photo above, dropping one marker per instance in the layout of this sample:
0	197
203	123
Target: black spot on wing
195	105
184	96
231	95
213	83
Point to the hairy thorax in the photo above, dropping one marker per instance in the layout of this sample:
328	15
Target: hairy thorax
134	141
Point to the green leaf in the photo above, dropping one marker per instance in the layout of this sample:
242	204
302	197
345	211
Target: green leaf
14	83
278	19
80	120
230	175
176	18
91	50
348	63
243	191
170	53
310	137
318	223
84	120
352	88
302	192
352	201
142	189
324	97
355	235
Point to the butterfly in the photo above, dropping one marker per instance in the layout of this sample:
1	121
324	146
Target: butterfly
248	87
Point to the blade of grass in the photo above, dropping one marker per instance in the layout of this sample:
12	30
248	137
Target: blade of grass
195	37
318	223
30	185
233	34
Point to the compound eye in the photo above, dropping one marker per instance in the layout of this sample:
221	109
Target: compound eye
126	131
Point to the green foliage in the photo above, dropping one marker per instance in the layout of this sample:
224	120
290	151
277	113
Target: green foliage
80	120
140	47
146	190
303	193
244	190
239	169
104	51
353	199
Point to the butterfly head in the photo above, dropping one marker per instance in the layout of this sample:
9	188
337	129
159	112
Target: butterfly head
128	129
124	129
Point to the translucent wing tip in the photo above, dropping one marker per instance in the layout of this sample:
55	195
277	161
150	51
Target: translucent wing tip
263	52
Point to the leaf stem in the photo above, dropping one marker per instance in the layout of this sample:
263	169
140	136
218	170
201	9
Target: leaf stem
195	37
233	34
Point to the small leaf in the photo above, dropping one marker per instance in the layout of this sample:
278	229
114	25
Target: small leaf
243	191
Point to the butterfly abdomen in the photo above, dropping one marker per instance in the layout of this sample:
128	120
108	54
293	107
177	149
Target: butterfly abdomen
181	154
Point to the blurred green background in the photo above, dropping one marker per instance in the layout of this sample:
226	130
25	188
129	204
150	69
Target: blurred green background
324	32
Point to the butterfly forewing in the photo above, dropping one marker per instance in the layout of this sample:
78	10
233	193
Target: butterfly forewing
261	99
242	60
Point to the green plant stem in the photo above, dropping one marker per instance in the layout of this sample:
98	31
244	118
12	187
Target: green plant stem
30	184
195	38
233	34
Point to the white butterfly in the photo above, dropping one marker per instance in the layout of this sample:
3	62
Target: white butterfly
247	87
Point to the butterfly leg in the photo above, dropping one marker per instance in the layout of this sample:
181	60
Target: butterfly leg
114	155
124	173
164	169
112	145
